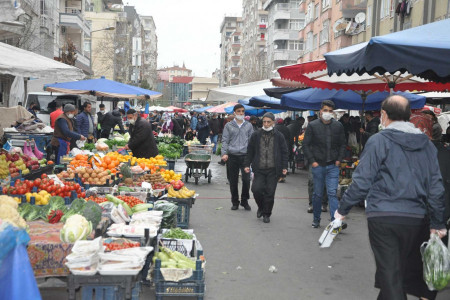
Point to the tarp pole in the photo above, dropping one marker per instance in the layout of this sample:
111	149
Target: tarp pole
363	97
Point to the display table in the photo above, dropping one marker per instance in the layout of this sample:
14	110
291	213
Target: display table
46	251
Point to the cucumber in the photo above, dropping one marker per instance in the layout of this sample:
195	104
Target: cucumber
127	208
114	200
125	189
142	207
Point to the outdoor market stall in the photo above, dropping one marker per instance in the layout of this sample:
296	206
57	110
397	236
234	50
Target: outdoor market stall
108	221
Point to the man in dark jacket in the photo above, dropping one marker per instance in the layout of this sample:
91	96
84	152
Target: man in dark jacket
398	176
142	142
324	146
295	128
85	121
100	116
110	121
288	139
214	129
267	154
372	124
202	129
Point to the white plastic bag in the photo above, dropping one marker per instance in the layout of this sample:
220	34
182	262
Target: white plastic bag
352	139
436	263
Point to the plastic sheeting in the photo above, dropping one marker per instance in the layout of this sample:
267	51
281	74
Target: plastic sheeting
19	62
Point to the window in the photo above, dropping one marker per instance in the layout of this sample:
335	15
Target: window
324	33
263	20
325	4
296	24
385	8
309	15
369	15
316	11
262	36
295	45
309	41
314	42
295	3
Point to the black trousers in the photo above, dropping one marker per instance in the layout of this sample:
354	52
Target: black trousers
396	248
235	163
263	188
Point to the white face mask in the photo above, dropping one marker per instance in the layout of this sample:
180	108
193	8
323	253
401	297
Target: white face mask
267	129
239	117
132	121
70	116
327	116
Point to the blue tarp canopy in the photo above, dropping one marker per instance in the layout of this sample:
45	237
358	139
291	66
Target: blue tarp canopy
200	110
244	101
266	101
102	87
312	98
423	51
254	111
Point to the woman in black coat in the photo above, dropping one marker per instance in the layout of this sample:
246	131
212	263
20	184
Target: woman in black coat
142	142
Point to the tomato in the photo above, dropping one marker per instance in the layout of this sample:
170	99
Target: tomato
21	191
51	181
44	176
37	182
58	191
83	194
77	186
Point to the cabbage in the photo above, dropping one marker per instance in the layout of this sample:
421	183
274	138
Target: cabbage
76	228
119	139
126	137
102	140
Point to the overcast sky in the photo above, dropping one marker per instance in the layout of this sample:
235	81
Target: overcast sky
188	30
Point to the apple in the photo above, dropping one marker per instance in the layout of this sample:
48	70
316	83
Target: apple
35	167
12	165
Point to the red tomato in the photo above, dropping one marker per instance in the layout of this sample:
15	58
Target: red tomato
83	194
37	182
43	176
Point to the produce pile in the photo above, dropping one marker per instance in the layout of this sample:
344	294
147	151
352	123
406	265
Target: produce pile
171	147
113	244
107	163
88	175
182	192
25	187
11	164
177	233
173	259
9	212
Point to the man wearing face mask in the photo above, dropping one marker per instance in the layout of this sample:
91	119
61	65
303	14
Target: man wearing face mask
267	154
65	132
324	146
234	149
142	142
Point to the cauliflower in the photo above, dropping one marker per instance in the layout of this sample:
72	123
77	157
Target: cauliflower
6	200
11	215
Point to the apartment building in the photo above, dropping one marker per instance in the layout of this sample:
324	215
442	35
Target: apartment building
134	31
253	41
386	16
171	72
284	22
230	54
180	88
201	87
324	28
75	28
149	51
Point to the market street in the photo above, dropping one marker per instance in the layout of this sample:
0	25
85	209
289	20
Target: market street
234	239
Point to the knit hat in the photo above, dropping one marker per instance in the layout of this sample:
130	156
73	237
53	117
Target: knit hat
279	121
269	115
69	107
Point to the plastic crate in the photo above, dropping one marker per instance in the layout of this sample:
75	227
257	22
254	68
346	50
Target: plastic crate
172	289
37	173
184	210
104	287
198	275
108	292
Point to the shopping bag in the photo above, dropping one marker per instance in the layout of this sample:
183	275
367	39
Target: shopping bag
330	232
436	263
352	139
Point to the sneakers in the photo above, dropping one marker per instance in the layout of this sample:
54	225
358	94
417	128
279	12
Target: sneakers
259	213
324	208
266	219
315	224
235	207
282	180
310	209
246	206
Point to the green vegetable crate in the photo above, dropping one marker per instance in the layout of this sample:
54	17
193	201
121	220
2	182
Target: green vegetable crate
184	211
193	286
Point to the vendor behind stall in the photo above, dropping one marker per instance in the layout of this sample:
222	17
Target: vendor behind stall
110	120
142	142
86	125
65	132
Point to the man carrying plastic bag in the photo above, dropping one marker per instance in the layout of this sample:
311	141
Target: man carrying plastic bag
399	176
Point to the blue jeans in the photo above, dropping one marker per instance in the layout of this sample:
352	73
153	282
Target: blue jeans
325	176
214	140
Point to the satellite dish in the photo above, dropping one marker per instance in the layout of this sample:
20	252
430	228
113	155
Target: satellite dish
339	25
360	17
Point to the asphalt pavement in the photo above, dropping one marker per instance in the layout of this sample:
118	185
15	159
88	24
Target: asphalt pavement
240	249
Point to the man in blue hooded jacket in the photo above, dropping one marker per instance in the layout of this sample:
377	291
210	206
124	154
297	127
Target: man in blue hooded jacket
398	175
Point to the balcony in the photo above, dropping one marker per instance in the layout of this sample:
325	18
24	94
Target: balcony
71	17
282	12
236	44
281	34
262	25
235	57
83	59
280	55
